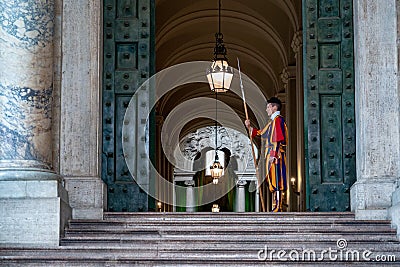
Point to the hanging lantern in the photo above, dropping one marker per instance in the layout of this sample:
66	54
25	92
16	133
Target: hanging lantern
216	169
215	208
220	74
210	160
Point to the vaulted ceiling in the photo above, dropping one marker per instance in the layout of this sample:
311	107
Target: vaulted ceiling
258	32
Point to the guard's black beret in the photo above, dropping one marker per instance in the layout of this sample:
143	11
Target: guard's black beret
274	100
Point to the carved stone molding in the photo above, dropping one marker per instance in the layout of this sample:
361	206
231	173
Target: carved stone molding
241	182
189	183
236	142
287	73
297	42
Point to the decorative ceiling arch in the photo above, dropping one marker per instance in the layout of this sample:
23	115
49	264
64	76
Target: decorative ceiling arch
259	32
286	6
250	22
246	52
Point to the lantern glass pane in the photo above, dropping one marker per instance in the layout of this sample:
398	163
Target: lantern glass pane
210	81
219	76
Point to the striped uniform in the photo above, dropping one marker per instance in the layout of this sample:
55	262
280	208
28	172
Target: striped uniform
276	137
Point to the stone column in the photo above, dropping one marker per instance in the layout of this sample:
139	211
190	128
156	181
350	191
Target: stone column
160	158
377	108
257	198
190	197
394	211
241	196
169	176
297	46
80	108
288	77
33	203
179	191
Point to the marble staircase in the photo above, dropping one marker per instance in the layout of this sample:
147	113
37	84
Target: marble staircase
217	239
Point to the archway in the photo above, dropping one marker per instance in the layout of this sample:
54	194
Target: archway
236	157
266	36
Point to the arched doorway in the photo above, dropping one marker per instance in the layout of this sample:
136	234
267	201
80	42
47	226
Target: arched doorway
234	150
267	37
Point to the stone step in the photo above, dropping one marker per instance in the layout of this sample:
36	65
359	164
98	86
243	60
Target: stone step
151	262
207	239
248	236
224	256
346	226
228	217
389	233
376	245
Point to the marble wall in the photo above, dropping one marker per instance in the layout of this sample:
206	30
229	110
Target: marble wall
394	211
26	83
33	202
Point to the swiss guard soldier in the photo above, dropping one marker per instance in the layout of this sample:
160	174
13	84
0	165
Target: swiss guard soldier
275	135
